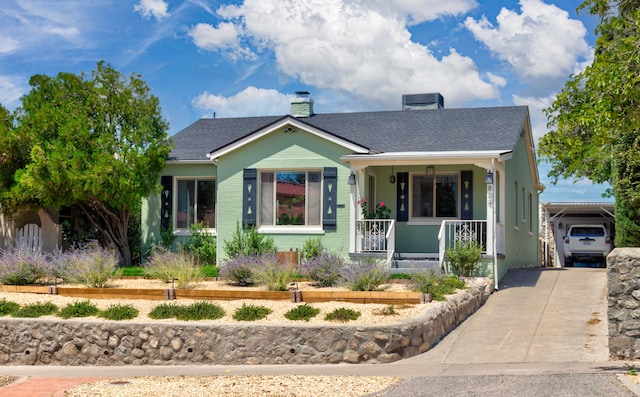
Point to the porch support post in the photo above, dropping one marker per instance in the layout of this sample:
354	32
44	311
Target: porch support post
353	207
353	211
491	214
491	222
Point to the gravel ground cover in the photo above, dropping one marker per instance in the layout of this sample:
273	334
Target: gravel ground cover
237	386
370	313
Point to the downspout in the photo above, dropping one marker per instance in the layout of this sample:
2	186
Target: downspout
495	240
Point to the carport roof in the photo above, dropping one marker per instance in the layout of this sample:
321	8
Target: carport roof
578	208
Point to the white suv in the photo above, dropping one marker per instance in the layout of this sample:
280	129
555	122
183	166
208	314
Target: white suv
586	243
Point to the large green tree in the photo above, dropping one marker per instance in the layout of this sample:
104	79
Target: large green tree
98	142
595	119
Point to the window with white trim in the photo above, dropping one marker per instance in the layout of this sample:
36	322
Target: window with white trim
434	197
291	198
195	202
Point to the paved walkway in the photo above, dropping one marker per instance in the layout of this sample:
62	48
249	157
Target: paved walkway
541	324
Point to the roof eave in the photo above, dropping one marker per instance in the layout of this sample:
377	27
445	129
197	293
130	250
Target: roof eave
421	157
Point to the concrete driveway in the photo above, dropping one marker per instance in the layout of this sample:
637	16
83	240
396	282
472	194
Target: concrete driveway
538	316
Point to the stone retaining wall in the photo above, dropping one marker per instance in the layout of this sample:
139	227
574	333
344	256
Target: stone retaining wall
71	342
623	273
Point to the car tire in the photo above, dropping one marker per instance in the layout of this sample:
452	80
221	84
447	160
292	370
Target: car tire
568	261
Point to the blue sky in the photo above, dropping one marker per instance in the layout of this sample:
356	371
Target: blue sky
247	57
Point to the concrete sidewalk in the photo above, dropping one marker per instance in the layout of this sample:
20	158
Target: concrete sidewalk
541	326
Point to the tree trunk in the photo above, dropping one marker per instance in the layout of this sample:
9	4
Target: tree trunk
113	225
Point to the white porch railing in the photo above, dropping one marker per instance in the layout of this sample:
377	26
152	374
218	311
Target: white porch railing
376	235
454	230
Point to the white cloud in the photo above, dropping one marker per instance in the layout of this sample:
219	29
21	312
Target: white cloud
152	8
496	80
540	42
354	47
223	38
8	44
10	92
251	101
418	11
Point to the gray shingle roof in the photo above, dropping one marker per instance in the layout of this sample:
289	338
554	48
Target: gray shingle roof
465	129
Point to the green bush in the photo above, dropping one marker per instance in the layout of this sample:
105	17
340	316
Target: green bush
119	312
447	286
247	243
8	307
200	311
34	310
464	257
303	312
202	244
79	309
194	311
165	310
311	248
92	266
181	267
209	271
270	273
342	315
132	271
422	280
251	313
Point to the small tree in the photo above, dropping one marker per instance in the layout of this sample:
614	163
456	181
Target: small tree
464	257
97	142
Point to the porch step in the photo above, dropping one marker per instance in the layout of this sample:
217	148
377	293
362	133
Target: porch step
406	263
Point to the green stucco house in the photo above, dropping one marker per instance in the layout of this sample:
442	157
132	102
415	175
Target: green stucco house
444	174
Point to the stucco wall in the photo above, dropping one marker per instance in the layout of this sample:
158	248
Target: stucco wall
521	237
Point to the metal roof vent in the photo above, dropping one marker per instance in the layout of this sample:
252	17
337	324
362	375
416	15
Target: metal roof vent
422	101
301	105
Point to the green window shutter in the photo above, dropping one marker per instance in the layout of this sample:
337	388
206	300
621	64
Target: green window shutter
249	188
329	197
402	192
166	201
466	190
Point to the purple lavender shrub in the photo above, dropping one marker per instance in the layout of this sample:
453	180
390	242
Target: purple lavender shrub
92	266
239	270
23	266
366	275
324	269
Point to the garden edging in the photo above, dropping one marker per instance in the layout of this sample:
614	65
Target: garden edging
105	343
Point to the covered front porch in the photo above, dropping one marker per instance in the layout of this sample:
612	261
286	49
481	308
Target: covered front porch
433	203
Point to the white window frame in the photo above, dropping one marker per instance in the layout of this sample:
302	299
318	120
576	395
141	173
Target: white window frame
185	231
293	229
434	220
